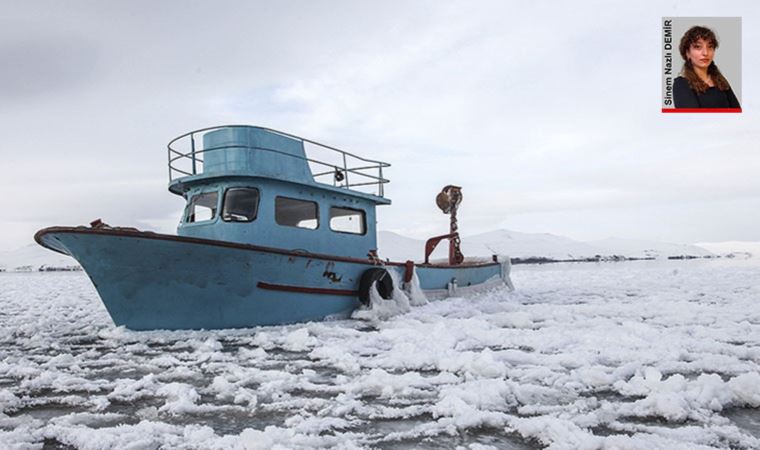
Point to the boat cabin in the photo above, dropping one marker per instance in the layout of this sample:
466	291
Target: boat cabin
258	186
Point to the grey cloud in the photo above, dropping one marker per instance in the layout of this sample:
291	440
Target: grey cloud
45	66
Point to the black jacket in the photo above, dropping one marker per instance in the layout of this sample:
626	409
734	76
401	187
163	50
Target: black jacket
713	97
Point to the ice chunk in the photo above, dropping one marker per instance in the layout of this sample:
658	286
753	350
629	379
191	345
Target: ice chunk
181	398
299	340
746	389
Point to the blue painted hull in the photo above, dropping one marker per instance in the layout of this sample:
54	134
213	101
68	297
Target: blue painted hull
151	281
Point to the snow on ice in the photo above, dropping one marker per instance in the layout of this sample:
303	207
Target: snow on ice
635	355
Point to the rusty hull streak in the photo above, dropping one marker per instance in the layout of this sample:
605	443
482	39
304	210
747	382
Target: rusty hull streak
330	275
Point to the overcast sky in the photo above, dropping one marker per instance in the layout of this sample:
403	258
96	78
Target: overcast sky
547	114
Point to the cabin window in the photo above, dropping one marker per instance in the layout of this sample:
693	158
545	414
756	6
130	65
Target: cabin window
202	207
240	204
347	220
292	212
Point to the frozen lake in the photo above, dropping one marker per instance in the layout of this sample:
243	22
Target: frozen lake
650	355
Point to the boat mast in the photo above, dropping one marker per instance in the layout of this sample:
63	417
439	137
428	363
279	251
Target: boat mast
448	200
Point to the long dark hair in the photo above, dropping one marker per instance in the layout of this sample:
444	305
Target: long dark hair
695	83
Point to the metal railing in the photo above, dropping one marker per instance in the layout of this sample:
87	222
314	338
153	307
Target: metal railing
346	170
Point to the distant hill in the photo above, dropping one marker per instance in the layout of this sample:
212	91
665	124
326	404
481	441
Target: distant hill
536	245
733	248
527	245
648	249
32	258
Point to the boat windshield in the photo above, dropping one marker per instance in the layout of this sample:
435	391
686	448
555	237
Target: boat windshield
240	204
202	207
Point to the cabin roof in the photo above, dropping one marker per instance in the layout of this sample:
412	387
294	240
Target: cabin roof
226	152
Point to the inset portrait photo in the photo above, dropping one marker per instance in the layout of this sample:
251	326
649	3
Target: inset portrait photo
701	64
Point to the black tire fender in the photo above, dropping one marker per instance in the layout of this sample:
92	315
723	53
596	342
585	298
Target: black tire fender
372	276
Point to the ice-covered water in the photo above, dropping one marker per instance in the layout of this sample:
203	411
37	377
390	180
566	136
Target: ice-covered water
617	355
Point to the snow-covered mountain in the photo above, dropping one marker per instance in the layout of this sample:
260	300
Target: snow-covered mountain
527	245
535	245
32	258
634	248
733	248
401	248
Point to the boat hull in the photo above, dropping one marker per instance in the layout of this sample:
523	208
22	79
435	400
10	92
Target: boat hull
152	281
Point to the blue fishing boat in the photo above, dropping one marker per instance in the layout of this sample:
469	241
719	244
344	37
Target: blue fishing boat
276	229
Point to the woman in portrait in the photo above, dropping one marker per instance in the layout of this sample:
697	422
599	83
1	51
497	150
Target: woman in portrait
701	85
